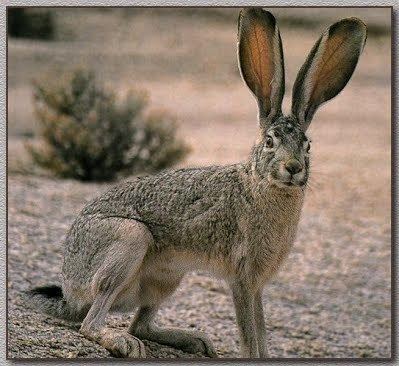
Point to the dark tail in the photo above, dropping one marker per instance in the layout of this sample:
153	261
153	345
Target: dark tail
50	300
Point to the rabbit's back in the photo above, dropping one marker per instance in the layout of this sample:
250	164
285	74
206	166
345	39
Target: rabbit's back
185	206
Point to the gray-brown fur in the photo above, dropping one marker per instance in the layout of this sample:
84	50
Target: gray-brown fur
130	247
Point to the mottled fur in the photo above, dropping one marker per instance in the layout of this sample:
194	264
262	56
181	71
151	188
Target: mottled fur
130	247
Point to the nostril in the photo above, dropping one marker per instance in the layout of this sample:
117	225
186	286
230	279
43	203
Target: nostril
293	166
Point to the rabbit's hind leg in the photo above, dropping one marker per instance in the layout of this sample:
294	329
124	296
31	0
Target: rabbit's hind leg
119	270
143	325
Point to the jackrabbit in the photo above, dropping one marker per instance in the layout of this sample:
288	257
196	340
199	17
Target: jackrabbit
130	247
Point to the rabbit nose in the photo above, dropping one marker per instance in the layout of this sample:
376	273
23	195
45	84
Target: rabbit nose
293	166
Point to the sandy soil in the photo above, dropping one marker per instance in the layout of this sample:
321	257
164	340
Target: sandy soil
332	298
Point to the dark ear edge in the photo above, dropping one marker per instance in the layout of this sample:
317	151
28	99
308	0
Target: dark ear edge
328	68
261	61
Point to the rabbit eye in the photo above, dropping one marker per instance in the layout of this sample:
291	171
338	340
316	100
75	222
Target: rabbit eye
308	148
269	142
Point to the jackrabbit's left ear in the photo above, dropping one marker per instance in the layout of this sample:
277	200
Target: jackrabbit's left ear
328	68
261	61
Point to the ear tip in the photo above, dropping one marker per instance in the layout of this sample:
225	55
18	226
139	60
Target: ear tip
359	26
256	13
351	26
353	23
358	22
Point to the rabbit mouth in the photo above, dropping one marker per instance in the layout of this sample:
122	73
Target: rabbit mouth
285	183
289	184
294	183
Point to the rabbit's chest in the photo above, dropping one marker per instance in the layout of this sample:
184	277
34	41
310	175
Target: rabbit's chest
270	233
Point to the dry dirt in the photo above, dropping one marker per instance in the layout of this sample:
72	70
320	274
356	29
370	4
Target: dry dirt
332	297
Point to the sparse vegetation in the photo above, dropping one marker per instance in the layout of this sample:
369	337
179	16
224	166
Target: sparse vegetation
90	135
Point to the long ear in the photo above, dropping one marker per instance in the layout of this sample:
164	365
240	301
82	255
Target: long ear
261	61
328	68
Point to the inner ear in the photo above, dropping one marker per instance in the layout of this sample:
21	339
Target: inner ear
328	68
261	61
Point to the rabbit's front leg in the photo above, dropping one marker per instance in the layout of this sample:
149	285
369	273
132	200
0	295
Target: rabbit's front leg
260	325
244	301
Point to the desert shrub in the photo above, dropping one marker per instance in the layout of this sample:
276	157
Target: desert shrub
31	23
89	134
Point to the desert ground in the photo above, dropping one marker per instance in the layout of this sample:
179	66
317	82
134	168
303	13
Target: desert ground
332	296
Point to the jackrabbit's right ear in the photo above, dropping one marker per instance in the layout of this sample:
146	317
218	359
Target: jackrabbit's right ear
261	61
328	68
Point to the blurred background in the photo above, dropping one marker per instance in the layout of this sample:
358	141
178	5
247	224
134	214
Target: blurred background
332	298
